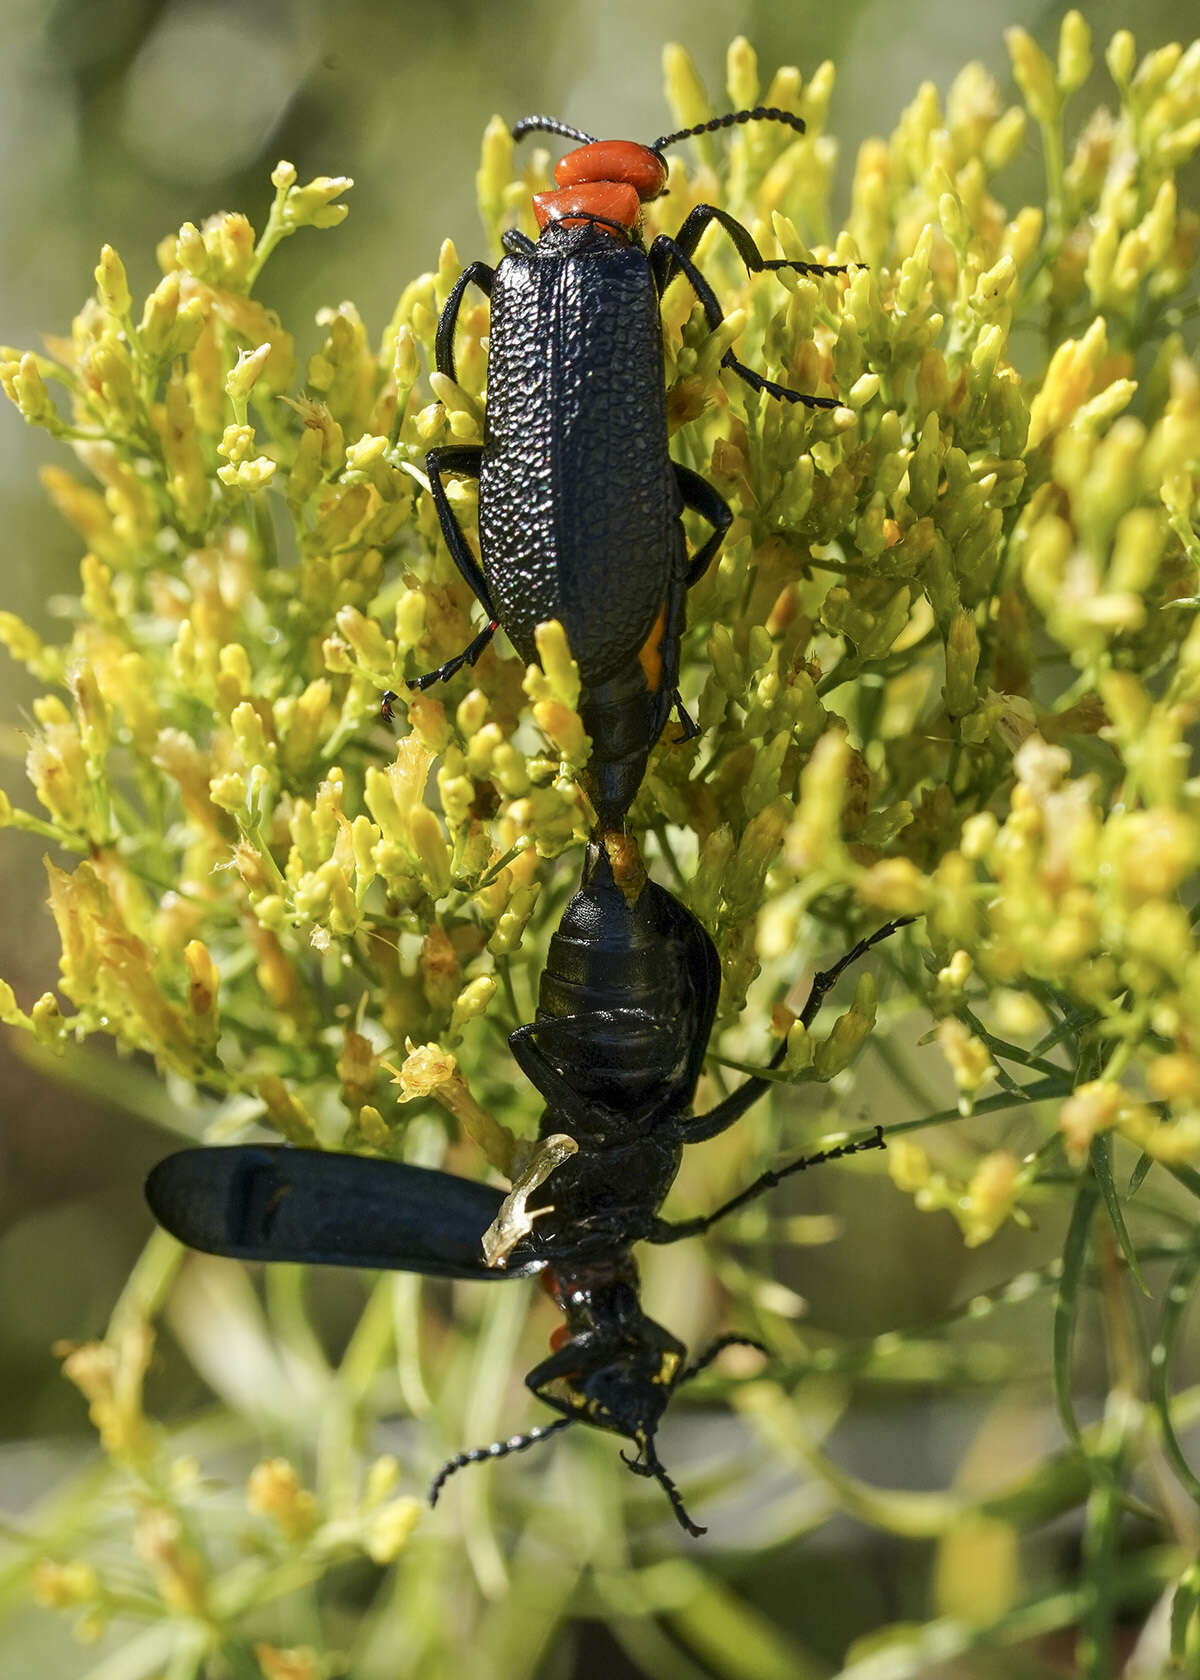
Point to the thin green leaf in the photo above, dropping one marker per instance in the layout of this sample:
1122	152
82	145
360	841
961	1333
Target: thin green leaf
1101	1537
1187	1176
1183	1609
1138	1176
1101	1157
1067	1304
1179	1293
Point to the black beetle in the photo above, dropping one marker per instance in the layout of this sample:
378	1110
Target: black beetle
626	1004
580	503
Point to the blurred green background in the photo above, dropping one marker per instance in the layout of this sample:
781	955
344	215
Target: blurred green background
119	120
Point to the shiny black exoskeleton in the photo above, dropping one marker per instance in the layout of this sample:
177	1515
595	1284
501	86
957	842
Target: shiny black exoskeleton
625	1009
580	503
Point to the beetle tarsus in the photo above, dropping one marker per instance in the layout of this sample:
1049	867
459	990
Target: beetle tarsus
772	388
468	656
689	728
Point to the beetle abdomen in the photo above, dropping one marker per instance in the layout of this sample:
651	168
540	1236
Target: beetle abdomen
579	507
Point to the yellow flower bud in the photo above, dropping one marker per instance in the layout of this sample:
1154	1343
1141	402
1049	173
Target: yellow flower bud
243	376
112	288
970	1060
848	1032
1034	74
1091	1109
1074	52
274	1490
203	984
63	1586
990	1196
560	671
177	1567
389	1529
286	1113
472	1001
1120	56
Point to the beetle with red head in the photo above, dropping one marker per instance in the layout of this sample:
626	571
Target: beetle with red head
580	503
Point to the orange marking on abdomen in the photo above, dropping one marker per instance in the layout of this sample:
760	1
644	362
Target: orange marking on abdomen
651	654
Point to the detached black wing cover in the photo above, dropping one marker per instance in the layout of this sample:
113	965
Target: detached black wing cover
275	1203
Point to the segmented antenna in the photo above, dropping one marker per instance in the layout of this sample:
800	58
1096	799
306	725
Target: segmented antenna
498	1449
760	113
711	1353
550	125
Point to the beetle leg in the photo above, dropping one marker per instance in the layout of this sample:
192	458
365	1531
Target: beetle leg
546	1079
735	1105
469	656
666	260
701	218
668	1231
699	495
687	722
463	459
585	1351
482	276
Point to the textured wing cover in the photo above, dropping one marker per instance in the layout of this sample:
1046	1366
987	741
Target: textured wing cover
268	1203
579	507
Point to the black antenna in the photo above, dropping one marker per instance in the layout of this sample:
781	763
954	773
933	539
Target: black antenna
550	125
760	113
498	1449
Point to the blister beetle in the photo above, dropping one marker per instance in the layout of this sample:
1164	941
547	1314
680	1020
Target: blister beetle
580	503
626	1004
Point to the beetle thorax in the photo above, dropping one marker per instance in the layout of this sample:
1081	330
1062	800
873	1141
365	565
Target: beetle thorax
606	182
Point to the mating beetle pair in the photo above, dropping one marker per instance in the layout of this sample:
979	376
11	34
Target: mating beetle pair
580	520
580	503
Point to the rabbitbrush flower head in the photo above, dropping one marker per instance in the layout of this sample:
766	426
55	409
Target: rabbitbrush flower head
946	665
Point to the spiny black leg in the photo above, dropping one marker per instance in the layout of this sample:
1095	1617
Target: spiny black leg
735	1105
666	1232
829	977
670	258
653	1467
702	217
498	1449
483	277
711	1353
468	656
666	259
759	382
545	1077
699	495
463	459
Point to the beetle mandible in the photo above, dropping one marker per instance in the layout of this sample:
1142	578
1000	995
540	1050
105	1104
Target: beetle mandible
580	503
